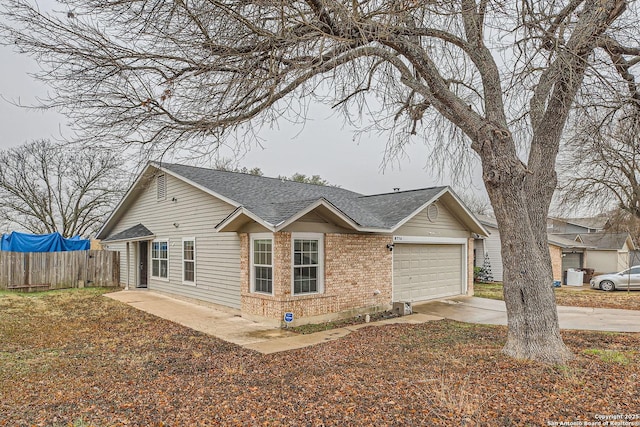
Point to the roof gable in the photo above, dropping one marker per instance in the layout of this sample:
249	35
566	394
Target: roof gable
607	241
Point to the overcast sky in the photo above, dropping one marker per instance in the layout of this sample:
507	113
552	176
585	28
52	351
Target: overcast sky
323	147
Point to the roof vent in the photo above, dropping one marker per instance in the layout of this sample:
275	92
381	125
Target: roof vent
161	187
432	212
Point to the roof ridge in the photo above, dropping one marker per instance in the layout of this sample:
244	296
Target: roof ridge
161	164
288	202
404	191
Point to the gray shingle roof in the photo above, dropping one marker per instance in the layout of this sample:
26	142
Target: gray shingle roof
391	208
568	236
562	242
132	233
275	200
604	240
597	222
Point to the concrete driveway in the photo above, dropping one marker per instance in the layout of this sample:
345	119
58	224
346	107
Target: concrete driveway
494	312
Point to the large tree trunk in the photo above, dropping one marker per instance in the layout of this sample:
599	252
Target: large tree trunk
534	332
532	315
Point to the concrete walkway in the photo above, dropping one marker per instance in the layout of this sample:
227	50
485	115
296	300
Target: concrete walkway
494	312
230	326
265	338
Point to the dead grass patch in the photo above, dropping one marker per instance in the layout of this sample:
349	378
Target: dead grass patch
107	364
573	297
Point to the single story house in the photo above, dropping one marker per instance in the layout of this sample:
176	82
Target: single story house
604	252
265	246
488	251
610	253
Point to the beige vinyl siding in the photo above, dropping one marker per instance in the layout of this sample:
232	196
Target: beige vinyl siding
445	225
492	249
122	248
623	261
602	261
196	213
478	248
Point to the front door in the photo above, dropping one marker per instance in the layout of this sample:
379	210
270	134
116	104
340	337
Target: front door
143	260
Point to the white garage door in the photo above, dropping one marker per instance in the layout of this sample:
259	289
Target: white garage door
427	271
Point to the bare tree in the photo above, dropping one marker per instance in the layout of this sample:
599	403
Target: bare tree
498	77
601	165
477	204
621	221
45	187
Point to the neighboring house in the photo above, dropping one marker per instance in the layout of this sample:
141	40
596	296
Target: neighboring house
602	251
577	225
490	247
610	251
566	253
267	246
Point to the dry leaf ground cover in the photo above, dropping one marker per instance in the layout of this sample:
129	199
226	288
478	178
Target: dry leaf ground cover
76	358
573	296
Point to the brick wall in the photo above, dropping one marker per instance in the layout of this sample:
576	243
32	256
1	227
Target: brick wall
356	267
556	261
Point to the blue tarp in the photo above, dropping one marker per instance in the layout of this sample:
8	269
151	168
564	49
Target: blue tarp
54	242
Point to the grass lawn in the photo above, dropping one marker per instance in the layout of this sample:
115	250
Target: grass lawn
573	296
76	358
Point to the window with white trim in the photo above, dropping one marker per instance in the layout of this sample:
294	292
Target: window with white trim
189	260
161	187
160	259
262	264
308	258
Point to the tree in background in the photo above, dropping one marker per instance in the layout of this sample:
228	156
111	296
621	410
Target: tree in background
600	163
621	221
476	203
46	187
230	165
300	177
600	168
496	77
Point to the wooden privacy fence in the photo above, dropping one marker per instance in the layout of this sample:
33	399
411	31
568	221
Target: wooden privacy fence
59	270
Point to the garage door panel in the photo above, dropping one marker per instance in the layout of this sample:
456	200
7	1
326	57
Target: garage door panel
423	271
